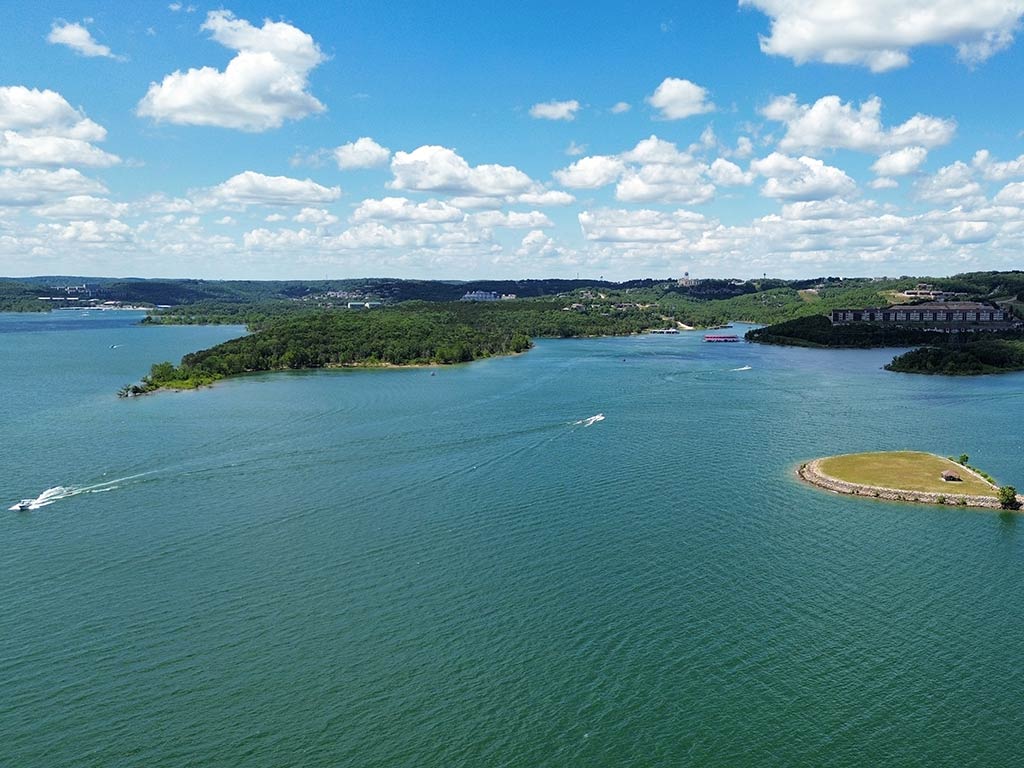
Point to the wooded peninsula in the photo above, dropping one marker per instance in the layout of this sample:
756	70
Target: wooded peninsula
413	333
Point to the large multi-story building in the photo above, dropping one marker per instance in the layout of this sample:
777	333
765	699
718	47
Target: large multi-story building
480	296
938	316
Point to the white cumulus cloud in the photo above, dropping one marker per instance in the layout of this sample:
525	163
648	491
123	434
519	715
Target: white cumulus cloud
511	219
40	128
364	152
952	183
33	186
18	150
265	83
831	124
591	172
728	174
251	188
879	34
555	110
403	209
883	182
900	162
660	172
676	99
316	216
431	168
801	178
994	170
541	196
32	112
641	226
82	207
79	39
1012	193
655	170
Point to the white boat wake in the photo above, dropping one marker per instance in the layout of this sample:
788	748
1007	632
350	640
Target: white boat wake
58	492
744	368
589	421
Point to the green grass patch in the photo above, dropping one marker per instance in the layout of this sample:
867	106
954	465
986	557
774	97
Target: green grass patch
904	471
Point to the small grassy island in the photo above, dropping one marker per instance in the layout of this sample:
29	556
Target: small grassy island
909	476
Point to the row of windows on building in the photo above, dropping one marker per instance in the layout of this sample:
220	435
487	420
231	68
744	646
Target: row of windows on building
879	315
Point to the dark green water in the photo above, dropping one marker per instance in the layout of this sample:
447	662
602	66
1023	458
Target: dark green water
394	568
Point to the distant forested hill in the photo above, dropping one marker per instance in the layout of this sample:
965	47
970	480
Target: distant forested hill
18	296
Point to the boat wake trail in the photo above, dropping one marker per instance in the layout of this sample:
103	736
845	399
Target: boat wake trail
589	421
744	368
59	492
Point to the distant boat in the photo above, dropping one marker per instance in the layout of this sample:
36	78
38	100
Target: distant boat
719	339
665	330
24	505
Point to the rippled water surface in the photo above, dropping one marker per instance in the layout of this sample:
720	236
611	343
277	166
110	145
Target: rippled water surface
442	568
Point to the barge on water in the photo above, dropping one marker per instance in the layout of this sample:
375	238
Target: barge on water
721	339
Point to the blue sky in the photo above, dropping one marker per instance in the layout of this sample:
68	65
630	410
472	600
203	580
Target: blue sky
470	140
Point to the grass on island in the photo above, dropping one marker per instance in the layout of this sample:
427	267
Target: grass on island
905	471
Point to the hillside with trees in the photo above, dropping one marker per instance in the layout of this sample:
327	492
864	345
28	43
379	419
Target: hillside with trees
415	333
18	296
818	331
973	358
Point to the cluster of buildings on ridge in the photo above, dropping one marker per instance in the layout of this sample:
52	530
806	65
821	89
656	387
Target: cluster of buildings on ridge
82	297
487	296
942	311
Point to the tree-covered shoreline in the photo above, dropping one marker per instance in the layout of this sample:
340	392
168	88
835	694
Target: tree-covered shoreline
818	331
974	358
937	353
416	333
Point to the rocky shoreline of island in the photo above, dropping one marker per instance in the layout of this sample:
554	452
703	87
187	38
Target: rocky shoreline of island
810	472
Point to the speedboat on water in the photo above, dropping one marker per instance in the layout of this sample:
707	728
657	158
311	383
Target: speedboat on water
24	505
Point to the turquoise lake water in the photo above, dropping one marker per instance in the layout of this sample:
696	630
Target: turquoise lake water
441	568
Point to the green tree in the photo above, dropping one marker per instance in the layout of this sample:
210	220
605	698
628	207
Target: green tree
964	458
1007	496
161	372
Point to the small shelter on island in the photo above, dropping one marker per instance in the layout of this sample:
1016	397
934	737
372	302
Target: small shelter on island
950	476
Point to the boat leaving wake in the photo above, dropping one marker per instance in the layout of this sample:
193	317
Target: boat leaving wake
58	492
592	420
744	368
